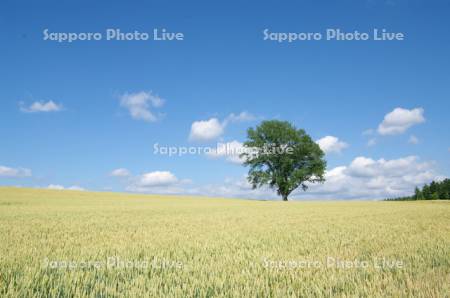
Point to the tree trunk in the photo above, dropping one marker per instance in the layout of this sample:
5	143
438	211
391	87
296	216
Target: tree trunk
285	197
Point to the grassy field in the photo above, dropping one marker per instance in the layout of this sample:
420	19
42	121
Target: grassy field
69	243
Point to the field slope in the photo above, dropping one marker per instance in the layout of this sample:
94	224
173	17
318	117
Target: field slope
71	243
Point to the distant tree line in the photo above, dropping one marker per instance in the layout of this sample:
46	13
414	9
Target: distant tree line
433	191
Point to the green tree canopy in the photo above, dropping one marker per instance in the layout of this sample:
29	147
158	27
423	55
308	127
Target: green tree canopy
439	190
283	157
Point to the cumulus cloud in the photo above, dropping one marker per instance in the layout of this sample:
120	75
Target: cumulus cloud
234	188
206	130
366	178
140	104
157	178
41	106
230	188
230	151
120	172
399	120
55	186
363	178
330	144
212	129
14	172
158	182
61	187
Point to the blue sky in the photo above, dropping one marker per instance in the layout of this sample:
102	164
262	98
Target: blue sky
66	109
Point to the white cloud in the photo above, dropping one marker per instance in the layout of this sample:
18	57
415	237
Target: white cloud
413	140
362	167
207	130
363	178
14	172
366	178
212	129
157	178
399	120
230	188
242	117
331	144
55	186
235	188
121	172
230	151
61	187
41	106
158	182
75	187
139	105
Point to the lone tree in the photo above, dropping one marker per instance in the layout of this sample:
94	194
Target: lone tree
283	157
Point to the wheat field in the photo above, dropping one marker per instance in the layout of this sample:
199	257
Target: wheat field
86	244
